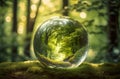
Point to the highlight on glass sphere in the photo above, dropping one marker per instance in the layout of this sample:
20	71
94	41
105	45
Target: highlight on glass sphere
61	42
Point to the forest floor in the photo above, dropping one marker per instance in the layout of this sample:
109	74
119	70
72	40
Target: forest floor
33	70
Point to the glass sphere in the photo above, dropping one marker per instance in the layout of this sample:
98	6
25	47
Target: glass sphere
61	42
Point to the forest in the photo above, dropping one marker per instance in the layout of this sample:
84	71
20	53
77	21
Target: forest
19	19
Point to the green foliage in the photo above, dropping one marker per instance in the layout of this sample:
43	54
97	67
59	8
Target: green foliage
96	24
5	3
3	40
9	39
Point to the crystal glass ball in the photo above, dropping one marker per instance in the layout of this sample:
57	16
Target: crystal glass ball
61	42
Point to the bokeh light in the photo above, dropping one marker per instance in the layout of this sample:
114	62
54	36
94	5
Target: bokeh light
8	19
83	15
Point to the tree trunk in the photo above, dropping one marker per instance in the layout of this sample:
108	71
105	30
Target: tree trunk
27	43
65	7
30	26
113	27
14	30
28	15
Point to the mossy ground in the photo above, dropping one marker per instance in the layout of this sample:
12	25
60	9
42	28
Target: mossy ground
33	70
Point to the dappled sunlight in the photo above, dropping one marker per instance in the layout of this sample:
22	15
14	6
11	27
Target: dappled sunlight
46	2
20	29
94	65
22	6
33	7
91	53
8	18
32	15
30	61
41	8
83	15
23	18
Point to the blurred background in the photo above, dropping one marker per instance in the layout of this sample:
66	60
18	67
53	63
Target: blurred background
20	18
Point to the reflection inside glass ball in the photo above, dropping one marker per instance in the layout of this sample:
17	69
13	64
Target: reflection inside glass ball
61	42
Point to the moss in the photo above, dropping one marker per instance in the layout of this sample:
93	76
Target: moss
110	69
33	70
